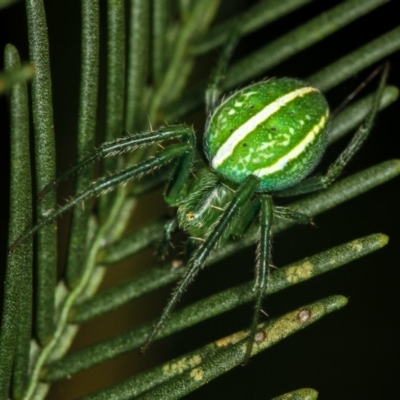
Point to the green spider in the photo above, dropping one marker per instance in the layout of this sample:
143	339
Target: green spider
262	140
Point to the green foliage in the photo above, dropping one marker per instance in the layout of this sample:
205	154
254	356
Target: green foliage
146	64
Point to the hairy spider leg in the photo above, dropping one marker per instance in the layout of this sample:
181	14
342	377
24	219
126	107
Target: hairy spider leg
357	90
262	267
335	169
117	147
182	152
213	92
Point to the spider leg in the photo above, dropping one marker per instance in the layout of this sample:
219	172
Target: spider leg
120	146
321	182
245	218
182	170
177	151
175	189
213	92
262	267
199	257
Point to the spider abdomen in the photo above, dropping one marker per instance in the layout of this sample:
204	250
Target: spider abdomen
275	129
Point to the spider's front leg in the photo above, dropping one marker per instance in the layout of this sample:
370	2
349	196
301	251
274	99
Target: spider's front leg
121	146
182	152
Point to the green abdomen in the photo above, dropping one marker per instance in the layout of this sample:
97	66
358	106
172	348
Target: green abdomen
275	129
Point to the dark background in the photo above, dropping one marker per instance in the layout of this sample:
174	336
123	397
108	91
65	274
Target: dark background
351	354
